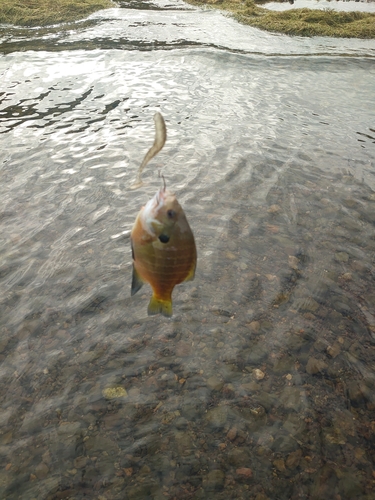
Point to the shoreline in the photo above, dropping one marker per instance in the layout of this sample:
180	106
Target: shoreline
298	22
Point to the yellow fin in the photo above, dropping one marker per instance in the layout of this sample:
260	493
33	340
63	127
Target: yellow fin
160	306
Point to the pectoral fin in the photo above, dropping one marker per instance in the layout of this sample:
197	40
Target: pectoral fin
157	306
137	282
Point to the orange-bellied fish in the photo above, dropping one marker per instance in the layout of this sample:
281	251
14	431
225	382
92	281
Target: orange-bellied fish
163	248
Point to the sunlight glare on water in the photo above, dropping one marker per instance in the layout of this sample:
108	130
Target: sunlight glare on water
261	386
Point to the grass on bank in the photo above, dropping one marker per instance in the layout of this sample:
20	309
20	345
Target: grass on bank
303	22
48	12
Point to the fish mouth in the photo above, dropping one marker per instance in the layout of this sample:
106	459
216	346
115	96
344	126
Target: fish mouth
151	210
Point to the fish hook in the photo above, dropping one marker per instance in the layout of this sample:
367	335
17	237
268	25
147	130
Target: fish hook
165	184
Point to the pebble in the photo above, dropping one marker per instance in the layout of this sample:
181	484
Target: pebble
217	417
254	326
342	257
41	471
279	464
232	434
214	480
293	459
274	209
214	383
114	392
334	350
315	366
347	276
238	457
6	438
244	472
293	262
70	428
80	462
258	374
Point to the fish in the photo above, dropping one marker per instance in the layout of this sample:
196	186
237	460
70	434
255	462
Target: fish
163	250
160	138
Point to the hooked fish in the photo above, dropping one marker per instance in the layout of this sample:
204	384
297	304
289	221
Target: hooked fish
163	249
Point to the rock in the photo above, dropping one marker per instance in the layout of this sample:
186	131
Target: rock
274	209
214	480
138	492
217	417
279	464
306	304
258	374
261	496
87	357
291	398
251	386
266	399
32	423
315	366
69	428
238	457
341	307
114	392
41	471
293	262
3	344
184	443
244	472
320	345
257	354
181	423
295	425
145	470
284	365
333	436
347	276
254	326
293	459
350	485
266	325
214	383
341	257
334	350
6	438
99	444
355	392
80	462
284	444
232	434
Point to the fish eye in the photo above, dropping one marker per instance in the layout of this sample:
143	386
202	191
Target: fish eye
164	238
171	214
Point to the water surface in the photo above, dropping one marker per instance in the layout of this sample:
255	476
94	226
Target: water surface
262	383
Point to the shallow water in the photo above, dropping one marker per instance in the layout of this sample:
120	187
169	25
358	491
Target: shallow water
262	383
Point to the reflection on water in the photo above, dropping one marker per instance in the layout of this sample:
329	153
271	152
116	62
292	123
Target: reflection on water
261	386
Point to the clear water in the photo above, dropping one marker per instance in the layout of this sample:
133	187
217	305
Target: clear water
261	386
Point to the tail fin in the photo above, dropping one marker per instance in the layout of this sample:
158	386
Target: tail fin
157	306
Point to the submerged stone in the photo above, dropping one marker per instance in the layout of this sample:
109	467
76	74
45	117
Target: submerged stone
214	480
